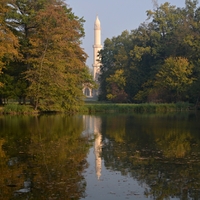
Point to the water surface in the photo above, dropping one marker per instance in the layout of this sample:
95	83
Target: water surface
111	156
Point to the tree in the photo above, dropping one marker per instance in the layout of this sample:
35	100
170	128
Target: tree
171	33
141	54
175	77
115	56
165	20
107	64
51	70
8	41
57	62
115	87
7	91
19	19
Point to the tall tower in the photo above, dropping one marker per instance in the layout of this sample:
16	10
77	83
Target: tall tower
96	48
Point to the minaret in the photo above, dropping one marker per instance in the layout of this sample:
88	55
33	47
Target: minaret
96	48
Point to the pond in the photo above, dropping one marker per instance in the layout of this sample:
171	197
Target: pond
111	156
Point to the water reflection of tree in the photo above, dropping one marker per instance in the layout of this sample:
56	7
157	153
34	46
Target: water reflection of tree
50	152
162	152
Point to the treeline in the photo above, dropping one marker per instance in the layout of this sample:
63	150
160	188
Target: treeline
157	62
40	55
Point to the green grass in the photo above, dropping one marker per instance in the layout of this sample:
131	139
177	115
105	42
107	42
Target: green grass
102	107
133	108
16	109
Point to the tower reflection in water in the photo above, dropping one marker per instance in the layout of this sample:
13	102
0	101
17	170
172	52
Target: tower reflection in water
93	130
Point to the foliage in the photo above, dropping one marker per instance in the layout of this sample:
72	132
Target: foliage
7	91
55	55
115	87
8	40
17	109
174	77
159	59
51	70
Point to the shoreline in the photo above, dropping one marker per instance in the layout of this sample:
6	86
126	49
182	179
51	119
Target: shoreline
99	107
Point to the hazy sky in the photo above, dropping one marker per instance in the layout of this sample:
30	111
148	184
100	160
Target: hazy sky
115	17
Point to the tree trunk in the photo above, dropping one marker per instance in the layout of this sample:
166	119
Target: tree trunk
197	102
24	100
1	101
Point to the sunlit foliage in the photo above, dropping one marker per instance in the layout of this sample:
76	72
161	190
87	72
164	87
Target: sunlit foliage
51	70
8	40
168	39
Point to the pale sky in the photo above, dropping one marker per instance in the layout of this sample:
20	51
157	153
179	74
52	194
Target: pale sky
115	17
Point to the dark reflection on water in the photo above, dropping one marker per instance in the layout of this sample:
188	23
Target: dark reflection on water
42	157
77	157
160	151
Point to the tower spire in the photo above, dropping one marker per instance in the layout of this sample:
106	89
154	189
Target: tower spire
96	48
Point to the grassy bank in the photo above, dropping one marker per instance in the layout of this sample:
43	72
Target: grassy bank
134	108
97	107
17	109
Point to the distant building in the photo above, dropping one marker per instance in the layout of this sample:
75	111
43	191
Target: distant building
96	65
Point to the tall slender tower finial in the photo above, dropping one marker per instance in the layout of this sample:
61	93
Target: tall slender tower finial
96	48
